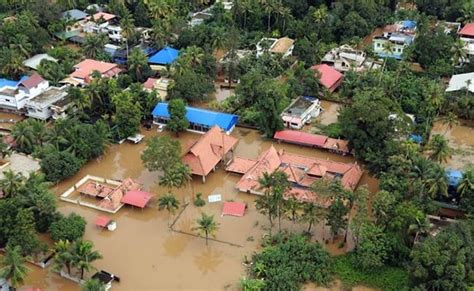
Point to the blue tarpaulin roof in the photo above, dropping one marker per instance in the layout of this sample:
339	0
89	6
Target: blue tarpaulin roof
416	138
74	14
166	56
11	83
200	116
454	177
409	24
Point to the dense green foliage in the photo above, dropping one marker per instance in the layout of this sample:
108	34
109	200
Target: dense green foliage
291	262
58	165
70	228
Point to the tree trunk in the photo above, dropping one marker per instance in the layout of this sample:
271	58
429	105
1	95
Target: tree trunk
68	267
82	273
269	18
279	219
310	225
207	237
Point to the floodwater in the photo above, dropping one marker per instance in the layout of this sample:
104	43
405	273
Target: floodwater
7	120
461	140
146	255
329	113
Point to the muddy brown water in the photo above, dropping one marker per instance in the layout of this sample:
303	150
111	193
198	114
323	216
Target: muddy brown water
145	254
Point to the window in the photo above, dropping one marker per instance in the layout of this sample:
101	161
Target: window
378	44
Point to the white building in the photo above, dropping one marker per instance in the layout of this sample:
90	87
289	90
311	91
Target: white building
40	106
460	82
283	46
300	112
346	58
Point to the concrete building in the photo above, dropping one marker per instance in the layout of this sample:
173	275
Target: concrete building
300	112
83	72
466	34
40	107
396	37
15	94
460	82
346	58
283	46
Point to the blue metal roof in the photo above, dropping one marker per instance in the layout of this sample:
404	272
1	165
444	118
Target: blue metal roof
454	177
409	24
200	116
166	56
11	83
74	14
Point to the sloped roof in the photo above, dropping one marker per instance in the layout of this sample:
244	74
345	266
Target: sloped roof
282	45
105	16
35	60
468	30
165	56
33	81
328	75
74	14
460	81
150	83
136	198
102	221
87	66
208	151
234	209
200	116
301	137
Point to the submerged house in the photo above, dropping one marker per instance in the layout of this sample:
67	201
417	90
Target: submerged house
200	120
346	58
208	151
399	36
338	146
300	112
302	172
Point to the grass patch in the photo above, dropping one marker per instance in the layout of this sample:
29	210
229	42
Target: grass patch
385	278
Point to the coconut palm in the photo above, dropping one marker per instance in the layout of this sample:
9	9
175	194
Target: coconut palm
13	267
291	208
93	285
24	136
434	95
11	63
40	132
11	183
176	176
264	203
450	120
459	52
138	64
21	43
312	214
219	38
194	55
422	226
467	182
467	12
439	149
437	183
84	255
63	256
5	150
168	202
94	45
206	225
128	28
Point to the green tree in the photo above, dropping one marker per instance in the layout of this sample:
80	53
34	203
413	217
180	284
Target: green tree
178	121
168	202
292	208
265	204
59	165
12	183
138	67
127	115
51	71
312	214
439	150
5	150
94	45
372	249
466	187
93	285
161	152
63	256
84	255
337	216
206	225
70	228
13	266
24	137
24	234
450	120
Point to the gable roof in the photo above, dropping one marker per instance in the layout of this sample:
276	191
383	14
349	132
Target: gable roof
165	56
33	81
35	60
460	81
329	76
468	30
282	45
208	151
301	137
105	16
87	66
200	116
74	14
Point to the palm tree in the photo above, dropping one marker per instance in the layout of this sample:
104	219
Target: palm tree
128	28
320	16
13	266
459	52
434	95
81	100
439	149
5	150
206	225
450	120
176	176
63	256
137	64
467	12
269	8
387	48
21	43
24	136
11	183
467	182
264	203
168	202
93	285
83	256
94	45
219	38
40	131
11	63
422	226
68	4
312	214
437	183
291	207
194	55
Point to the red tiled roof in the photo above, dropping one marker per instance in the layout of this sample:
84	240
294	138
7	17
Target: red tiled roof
136	198
114	199
240	165
85	68
33	81
305	195
105	16
234	208
208	151
329	77
95	189
301	137
102	221
468	30
150	83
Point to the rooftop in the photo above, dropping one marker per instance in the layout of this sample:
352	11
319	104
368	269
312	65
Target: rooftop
32	81
460	81
467	30
328	76
88	66
298	107
165	56
74	14
101	15
47	98
282	45
35	60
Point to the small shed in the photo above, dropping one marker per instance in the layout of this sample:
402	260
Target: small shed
234	209
136	198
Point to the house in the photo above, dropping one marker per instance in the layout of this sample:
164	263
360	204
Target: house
98	22
200	120
302	172
15	94
209	150
300	112
159	85
165	57
197	18
119	53
346	58
328	76
40	107
74	15
466	34
60	107
395	39
460	82
338	146
283	46
83	71
35	61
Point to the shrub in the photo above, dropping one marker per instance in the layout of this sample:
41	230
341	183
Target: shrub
69	228
199	202
59	165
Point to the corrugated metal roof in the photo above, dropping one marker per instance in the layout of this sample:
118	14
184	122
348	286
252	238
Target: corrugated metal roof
166	56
